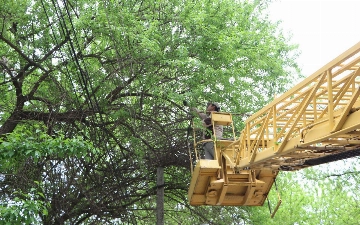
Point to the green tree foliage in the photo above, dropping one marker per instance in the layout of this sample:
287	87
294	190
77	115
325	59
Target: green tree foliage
91	100
324	194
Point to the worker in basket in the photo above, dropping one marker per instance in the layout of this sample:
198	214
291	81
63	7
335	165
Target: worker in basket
208	146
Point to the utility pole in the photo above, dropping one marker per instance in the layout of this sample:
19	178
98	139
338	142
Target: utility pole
160	196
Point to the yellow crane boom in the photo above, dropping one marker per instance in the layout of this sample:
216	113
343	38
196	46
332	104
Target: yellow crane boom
315	122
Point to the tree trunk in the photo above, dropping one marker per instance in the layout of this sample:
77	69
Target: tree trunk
160	196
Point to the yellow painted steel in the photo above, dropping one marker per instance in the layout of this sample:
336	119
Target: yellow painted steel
316	121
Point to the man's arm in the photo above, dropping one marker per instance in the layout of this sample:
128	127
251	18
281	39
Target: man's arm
200	114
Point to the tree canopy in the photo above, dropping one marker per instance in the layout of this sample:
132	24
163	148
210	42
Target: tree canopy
92	101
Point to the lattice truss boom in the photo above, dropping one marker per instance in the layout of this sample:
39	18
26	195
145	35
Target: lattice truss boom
316	121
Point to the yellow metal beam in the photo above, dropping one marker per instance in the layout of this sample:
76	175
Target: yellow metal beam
346	111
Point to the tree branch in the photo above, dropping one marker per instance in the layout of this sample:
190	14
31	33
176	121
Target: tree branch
31	62
342	174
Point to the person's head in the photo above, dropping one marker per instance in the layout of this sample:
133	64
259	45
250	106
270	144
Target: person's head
213	106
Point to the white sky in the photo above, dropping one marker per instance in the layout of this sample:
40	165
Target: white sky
323	28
